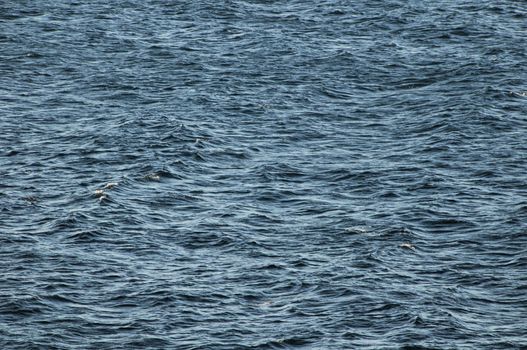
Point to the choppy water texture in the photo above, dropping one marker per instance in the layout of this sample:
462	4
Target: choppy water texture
290	174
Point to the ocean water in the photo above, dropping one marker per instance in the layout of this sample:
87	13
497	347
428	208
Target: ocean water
258	174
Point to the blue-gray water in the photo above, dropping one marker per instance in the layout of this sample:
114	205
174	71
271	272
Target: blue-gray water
290	174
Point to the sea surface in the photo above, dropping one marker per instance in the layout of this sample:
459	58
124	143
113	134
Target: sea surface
258	174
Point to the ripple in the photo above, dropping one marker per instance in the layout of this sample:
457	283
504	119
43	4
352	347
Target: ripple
262	174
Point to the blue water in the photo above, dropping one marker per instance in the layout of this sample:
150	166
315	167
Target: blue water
253	174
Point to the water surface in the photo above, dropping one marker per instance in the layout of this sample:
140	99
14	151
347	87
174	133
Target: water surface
290	174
